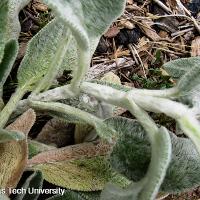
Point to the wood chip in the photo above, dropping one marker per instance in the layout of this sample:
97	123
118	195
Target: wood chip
112	32
129	2
149	32
40	6
195	47
126	24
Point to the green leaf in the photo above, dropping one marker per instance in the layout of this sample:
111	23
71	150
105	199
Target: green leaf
177	68
87	19
40	54
70	60
10	54
182	173
187	70
9	33
189	81
73	195
33	181
3	22
81	175
6	136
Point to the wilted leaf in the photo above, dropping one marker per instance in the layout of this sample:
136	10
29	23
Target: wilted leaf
82	175
14	153
40	6
112	32
72	152
35	148
57	132
81	131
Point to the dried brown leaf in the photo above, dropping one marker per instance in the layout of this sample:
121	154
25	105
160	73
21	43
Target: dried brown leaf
14	154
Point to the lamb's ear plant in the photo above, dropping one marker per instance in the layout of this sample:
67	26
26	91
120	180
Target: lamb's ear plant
139	158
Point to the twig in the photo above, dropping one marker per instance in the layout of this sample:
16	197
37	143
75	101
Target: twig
181	32
133	54
163	6
196	25
134	49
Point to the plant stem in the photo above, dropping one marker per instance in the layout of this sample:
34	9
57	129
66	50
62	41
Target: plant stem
142	116
190	125
83	66
66	109
11	106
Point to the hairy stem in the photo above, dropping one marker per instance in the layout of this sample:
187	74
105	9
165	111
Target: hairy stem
145	120
149	103
11	106
83	66
65	109
190	125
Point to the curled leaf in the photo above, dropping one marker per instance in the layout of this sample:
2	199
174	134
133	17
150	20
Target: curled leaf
15	153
